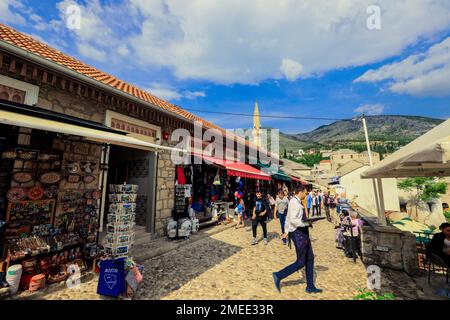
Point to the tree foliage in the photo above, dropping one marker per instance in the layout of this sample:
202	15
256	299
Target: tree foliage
309	159
427	188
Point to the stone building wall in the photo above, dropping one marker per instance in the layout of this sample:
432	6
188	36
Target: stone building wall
165	192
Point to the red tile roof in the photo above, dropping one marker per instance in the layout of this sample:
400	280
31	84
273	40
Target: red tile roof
28	43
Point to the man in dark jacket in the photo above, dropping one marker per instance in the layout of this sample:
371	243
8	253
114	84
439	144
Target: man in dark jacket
440	244
260	211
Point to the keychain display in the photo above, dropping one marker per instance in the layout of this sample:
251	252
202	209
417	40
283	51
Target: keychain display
121	218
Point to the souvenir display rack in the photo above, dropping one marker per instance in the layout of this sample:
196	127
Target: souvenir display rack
51	204
121	217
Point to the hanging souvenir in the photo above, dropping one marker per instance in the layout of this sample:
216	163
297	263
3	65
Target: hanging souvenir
96	194
89	178
16	194
22	177
73	178
86	166
73	167
27	154
9	155
44	157
50	177
35	193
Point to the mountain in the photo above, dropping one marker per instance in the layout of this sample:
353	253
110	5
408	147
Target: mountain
401	129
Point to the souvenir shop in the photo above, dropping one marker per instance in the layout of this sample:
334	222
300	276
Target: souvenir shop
49	202
210	187
53	187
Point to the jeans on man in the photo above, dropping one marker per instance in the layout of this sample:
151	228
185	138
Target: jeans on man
282	217
327	213
305	257
261	221
315	210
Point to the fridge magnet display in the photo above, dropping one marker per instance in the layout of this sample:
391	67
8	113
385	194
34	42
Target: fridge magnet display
73	178
89	178
27	154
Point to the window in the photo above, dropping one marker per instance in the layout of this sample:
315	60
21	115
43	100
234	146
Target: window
18	91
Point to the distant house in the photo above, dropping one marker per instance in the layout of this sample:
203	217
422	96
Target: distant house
326	153
297	169
301	152
343	156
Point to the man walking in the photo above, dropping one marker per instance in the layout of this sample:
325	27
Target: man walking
326	204
298	231
315	204
281	207
259	216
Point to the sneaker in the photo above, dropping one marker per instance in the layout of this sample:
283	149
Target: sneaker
254	241
313	290
277	282
266	242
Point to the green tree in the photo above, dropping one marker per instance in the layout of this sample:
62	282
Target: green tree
285	153
310	159
423	189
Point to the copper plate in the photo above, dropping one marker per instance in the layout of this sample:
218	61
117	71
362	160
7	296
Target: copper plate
50	177
22	177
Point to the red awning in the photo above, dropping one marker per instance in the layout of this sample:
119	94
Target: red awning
295	179
239	169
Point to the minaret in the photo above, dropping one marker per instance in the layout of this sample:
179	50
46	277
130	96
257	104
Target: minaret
256	126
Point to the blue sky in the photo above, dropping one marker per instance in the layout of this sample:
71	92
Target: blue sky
311	58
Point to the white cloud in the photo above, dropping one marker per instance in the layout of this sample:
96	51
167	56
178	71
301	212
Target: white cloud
8	12
424	74
370	109
168	93
291	69
91	52
230	41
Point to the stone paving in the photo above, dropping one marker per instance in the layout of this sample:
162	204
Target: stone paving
225	266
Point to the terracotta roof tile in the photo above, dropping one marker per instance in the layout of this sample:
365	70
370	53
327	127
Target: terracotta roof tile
26	42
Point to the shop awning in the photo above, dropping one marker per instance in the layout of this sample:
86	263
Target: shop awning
277	174
238	169
36	118
428	155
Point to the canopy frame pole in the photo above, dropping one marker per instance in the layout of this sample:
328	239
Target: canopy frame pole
381	208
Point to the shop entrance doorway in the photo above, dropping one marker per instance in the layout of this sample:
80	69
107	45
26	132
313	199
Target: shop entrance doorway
135	166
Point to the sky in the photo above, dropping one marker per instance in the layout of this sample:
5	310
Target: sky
318	58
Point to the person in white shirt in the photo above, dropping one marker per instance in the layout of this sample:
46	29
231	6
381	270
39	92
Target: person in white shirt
298	231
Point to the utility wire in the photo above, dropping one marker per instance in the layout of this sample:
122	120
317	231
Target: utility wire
264	116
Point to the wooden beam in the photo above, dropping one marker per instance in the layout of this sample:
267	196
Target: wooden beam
23	71
12	65
35	73
45	77
1	61
63	84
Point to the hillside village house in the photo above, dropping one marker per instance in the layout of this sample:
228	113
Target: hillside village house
84	130
342	156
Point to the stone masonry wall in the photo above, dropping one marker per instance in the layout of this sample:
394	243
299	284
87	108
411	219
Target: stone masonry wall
165	192
390	248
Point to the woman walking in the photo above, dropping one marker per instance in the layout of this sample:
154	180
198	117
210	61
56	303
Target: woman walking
280	211
240	210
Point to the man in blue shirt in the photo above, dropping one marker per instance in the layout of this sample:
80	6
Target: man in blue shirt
259	216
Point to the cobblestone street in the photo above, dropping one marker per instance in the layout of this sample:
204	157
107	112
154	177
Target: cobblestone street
226	266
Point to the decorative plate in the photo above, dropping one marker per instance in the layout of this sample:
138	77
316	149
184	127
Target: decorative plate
96	194
44	157
51	192
22	177
50	177
35	193
73	178
89	178
9	155
16	194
